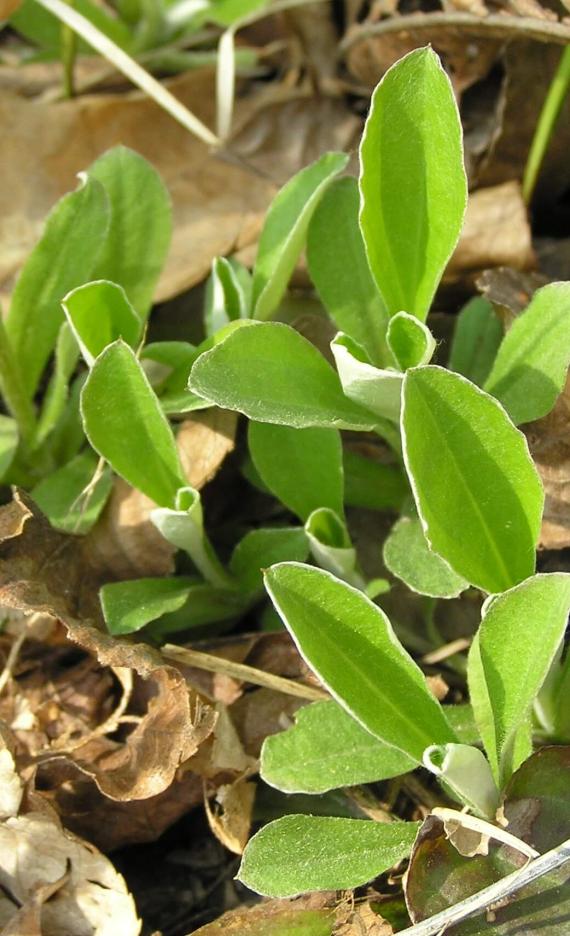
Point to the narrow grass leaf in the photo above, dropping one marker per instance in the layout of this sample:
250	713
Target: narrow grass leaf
327	749
297	854
349	643
285	231
532	362
477	491
269	372
124	423
412	181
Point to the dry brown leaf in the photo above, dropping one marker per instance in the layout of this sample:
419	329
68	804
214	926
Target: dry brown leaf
496	232
273	916
7	7
219	201
509	290
229	816
42	570
549	443
362	921
204	440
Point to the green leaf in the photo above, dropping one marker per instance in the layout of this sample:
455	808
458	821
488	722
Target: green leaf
377	390
66	498
206	605
65	257
226	297
350	645
8	443
339	269
261	548
407	555
462	720
532	362
410	341
476	339
269	372
521	631
57	394
297	854
183	527
332	547
327	749
465	773
371	484
477	491
129	606
301	467
98	314
124	423
285	230
412	181
141	225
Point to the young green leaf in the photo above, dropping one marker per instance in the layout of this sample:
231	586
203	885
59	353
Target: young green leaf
476	339
407	555
532	362
339	269
412	181
67	498
183	527
332	547
285	230
465	772
56	396
8	443
206	605
371	484
301	467
65	257
129	606
377	390
141	225
327	749
297	854
261	548
350	645
99	313
226	298
410	341
124	423
477	491
297	387
520	633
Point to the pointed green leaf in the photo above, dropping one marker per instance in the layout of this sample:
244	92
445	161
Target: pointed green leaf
520	633
124	423
327	749
141	225
407	555
412	181
477	491
349	643
339	269
476	339
532	362
226	298
298	387
285	231
99	313
129	606
410	341
65	257
56	396
261	548
297	854
301	467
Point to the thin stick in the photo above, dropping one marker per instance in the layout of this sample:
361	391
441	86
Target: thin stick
131	69
448	650
485	828
485	898
496	25
13	655
214	664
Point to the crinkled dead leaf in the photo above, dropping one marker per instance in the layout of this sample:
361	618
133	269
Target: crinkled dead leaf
229	813
41	570
363	921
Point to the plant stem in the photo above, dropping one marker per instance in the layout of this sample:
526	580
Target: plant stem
17	401
549	115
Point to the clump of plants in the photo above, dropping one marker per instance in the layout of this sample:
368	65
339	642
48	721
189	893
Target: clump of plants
459	474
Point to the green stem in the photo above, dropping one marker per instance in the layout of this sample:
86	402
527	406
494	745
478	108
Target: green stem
546	123
13	391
